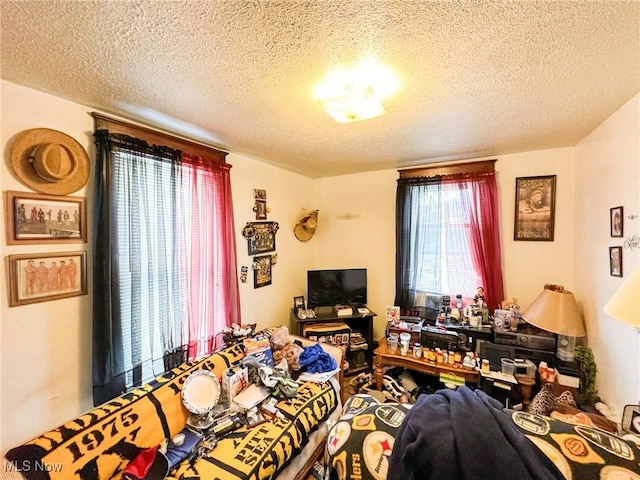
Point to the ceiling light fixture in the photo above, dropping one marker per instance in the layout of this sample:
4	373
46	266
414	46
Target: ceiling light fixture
354	104
350	94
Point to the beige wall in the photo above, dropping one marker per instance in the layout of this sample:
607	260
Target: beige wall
608	175
45	359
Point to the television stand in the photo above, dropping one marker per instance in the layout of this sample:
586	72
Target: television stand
359	323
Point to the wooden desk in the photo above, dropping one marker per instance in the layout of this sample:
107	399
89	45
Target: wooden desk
384	357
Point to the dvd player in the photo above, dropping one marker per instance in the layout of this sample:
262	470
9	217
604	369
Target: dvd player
528	338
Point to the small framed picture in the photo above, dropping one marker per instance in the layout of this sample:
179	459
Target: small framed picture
260	209
46	276
615	261
33	218
262	271
616	221
298	304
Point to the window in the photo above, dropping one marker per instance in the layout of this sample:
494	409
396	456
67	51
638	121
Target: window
164	259
447	234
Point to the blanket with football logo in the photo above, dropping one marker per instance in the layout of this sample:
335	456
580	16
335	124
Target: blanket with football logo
359	445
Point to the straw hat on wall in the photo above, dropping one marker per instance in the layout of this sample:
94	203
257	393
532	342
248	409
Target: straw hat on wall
306	227
49	161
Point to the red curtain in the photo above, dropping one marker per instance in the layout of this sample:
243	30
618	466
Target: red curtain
211	300
485	234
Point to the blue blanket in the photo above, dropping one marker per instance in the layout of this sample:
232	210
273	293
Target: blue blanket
462	434
315	360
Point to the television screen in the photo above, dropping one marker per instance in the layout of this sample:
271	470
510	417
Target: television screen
333	287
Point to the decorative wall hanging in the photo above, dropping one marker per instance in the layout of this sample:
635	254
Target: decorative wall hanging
306	227
46	276
616	221
615	261
33	218
244	270
261	236
260	206
49	161
535	208
261	271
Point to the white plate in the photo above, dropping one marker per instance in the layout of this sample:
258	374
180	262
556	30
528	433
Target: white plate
200	392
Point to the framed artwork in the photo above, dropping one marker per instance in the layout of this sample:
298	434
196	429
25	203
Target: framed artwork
261	271
33	218
616	221
298	303
535	208
42	277
261	237
615	261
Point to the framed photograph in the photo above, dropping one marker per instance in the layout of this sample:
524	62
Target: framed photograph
261	237
616	221
535	208
262	271
615	261
42	277
261	209
33	218
298	304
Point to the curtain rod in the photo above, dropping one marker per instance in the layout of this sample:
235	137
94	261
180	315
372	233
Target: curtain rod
156	137
482	166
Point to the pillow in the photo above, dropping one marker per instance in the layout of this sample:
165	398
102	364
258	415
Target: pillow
546	401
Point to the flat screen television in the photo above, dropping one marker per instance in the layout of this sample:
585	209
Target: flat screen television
336	287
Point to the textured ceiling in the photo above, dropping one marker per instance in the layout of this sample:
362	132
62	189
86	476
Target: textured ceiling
478	78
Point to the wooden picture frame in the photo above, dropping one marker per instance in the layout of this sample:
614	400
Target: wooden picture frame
616	221
38	219
261	237
262	271
615	261
43	277
535	208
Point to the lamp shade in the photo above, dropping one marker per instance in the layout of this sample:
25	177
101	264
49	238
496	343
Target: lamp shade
624	305
555	310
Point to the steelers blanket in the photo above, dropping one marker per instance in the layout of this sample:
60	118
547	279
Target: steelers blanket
98	445
359	445
259	453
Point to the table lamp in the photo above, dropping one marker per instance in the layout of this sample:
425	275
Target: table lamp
624	305
555	310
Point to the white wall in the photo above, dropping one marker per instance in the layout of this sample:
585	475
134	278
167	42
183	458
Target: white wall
45	347
607	175
287	195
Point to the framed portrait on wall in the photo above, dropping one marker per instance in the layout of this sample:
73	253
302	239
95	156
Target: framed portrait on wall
535	208
616	222
615	261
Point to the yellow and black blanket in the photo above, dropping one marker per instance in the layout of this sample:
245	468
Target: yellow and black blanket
99	444
259	453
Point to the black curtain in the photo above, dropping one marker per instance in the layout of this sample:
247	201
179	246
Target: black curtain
109	372
407	217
